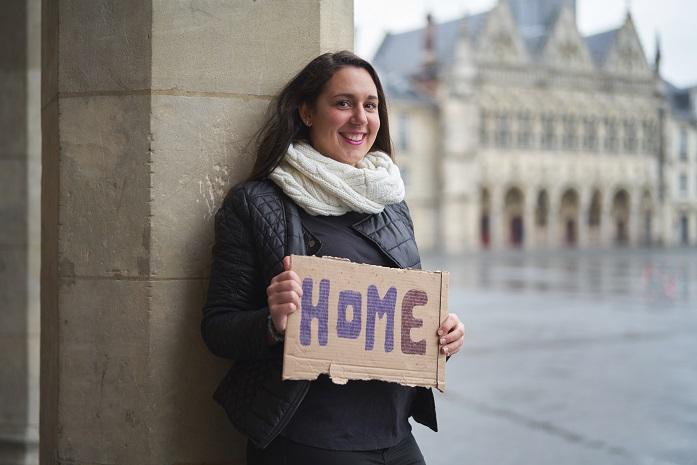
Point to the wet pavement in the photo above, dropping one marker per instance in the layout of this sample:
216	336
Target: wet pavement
571	358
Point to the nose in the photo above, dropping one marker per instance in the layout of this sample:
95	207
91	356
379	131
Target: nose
359	117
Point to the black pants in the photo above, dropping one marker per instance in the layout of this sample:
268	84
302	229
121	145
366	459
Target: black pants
281	451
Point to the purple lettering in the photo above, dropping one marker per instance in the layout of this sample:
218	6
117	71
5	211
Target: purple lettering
380	307
411	299
309	312
349	329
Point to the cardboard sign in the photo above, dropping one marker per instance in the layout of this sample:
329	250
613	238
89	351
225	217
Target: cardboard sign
366	322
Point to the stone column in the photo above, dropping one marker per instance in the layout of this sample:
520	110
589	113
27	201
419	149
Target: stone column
608	229
20	178
148	110
555	232
529	239
584	211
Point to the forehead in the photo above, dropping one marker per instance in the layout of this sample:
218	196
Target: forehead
351	80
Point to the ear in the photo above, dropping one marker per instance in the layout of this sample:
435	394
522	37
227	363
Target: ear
305	112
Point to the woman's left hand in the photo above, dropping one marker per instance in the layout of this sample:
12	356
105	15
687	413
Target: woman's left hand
451	335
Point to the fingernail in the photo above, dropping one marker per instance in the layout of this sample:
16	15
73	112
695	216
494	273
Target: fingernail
442	340
440	332
445	350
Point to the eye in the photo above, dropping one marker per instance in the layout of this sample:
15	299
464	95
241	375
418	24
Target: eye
371	106
343	104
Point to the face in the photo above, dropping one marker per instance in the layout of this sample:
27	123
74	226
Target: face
344	121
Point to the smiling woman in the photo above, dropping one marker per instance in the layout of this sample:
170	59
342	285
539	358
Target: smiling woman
324	184
344	120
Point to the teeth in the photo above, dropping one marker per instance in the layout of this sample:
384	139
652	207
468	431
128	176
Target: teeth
354	137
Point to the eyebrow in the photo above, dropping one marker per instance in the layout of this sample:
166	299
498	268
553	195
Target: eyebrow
370	97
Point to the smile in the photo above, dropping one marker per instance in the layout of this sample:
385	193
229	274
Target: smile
354	138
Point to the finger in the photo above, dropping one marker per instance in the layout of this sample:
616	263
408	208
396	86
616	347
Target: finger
456	333
277	310
448	324
286	276
286	263
284	286
284	298
453	347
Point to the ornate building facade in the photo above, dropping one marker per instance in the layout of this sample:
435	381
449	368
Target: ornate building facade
514	130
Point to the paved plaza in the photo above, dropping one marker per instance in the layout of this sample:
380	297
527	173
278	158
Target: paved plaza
571	358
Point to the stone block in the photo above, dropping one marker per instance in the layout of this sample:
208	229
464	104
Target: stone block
105	186
13	202
104	45
234	47
187	425
201	146
13	292
102	384
13	380
336	25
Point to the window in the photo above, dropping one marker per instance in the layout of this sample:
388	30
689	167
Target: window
483	128
403	132
683	185
525	130
549	136
682	144
611	141
648	139
569	137
590	134
503	130
630	136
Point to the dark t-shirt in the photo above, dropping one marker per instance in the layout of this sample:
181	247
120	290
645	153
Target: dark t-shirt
360	415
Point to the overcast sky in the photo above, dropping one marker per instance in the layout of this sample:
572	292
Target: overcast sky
674	20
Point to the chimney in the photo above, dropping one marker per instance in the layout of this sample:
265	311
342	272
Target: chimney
429	67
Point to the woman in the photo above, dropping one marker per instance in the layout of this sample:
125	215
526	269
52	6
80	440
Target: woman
323	184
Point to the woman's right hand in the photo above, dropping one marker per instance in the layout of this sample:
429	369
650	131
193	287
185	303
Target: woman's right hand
283	296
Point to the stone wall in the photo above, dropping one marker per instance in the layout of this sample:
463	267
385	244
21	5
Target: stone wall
148	113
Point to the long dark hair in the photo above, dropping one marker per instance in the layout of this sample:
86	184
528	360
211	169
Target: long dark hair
283	124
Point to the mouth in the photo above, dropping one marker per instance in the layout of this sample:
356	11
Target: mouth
353	138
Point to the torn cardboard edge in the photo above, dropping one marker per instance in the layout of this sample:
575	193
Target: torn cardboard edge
340	357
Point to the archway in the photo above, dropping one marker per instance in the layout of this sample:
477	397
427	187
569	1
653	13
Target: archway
484	218
513	208
594	217
647	217
620	216
541	216
568	215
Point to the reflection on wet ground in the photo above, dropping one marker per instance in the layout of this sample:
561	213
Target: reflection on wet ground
571	357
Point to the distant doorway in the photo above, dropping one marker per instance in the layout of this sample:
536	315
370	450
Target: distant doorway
569	214
484	219
517	231
620	214
570	234
684	230
484	231
513	208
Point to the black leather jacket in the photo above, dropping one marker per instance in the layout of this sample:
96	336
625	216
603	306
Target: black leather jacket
255	228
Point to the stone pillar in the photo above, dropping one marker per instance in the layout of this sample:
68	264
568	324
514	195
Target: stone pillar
608	229
20	178
584	211
555	232
148	110
529	232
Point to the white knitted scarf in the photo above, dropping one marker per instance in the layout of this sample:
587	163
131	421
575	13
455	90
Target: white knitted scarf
323	186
